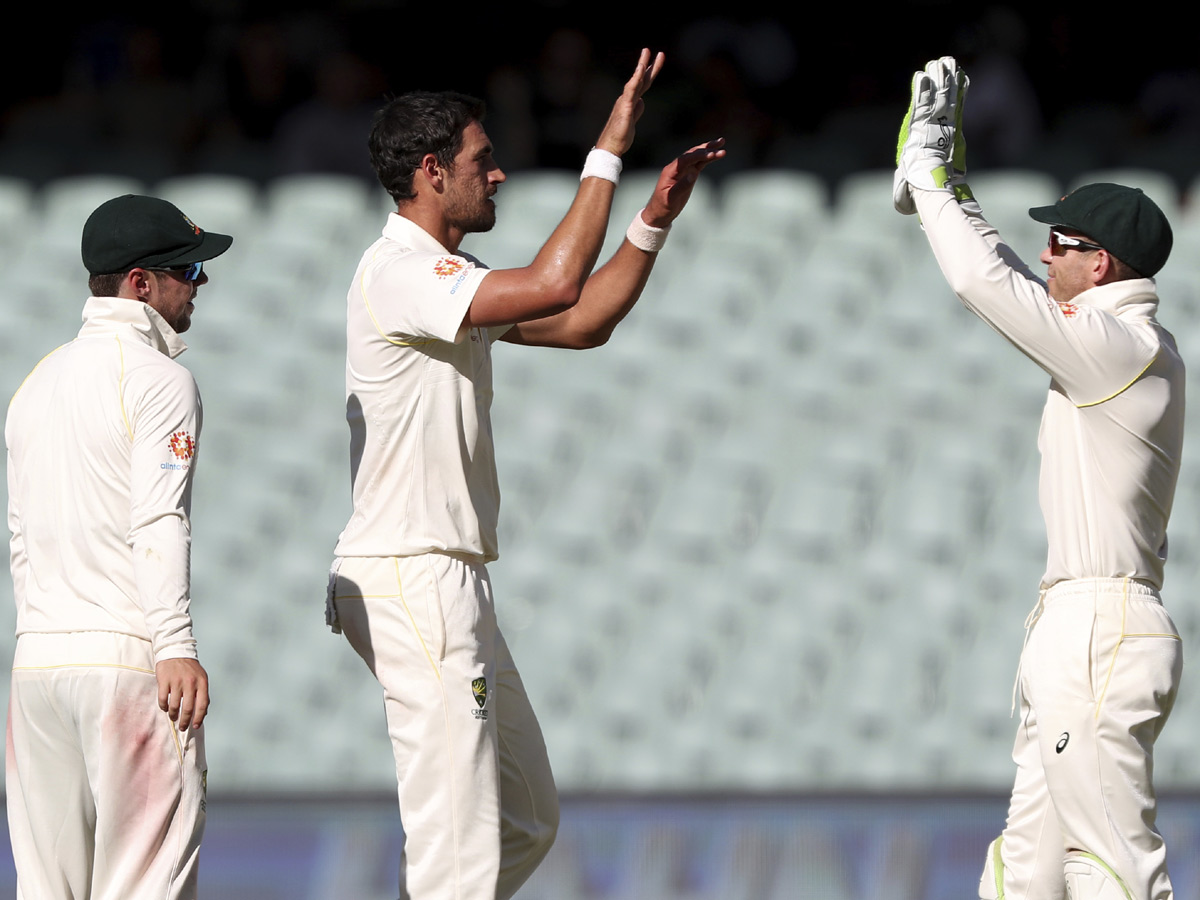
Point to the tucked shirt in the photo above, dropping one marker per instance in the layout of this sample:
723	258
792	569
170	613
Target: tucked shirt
101	441
418	401
1111	435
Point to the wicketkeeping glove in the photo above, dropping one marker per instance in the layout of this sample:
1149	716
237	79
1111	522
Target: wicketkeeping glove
927	134
958	158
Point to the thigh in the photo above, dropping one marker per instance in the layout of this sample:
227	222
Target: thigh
426	627
1107	672
149	780
51	813
1032	849
111	795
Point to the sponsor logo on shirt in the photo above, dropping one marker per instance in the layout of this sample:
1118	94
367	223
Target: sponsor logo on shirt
183	448
451	267
183	445
448	266
1069	310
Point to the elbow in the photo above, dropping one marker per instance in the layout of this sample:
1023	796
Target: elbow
589	341
966	283
556	288
559	295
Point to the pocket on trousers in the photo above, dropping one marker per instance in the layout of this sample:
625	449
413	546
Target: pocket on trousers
435	615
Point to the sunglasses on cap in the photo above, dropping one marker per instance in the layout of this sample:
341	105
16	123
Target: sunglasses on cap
187	273
1060	243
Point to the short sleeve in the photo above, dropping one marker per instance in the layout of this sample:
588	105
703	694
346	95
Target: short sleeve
420	294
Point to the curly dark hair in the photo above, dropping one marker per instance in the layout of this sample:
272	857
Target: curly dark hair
415	124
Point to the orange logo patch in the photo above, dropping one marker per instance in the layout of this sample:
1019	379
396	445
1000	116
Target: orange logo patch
448	266
183	445
1069	310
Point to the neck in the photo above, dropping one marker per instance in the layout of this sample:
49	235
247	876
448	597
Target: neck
432	222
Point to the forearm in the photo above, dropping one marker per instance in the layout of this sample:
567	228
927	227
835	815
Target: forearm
979	267
161	560
555	279
606	299
18	561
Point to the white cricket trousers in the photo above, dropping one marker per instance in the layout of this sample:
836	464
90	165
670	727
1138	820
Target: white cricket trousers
1098	677
105	795
477	798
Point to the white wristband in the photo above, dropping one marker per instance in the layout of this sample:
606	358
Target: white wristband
602	164
646	237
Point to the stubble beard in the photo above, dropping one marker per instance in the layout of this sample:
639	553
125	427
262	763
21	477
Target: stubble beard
471	217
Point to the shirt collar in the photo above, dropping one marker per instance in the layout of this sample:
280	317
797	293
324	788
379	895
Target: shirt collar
1133	296
410	234
104	314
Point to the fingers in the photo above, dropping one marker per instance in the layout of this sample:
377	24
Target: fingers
644	74
183	692
691	162
707	152
194	706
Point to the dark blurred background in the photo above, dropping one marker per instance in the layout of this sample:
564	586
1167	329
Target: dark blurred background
262	89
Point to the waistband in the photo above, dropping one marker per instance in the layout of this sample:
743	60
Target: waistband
39	650
1121	587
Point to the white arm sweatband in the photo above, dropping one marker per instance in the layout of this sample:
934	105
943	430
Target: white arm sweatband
646	237
602	164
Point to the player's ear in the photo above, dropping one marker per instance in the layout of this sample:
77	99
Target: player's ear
1103	270
138	284
432	172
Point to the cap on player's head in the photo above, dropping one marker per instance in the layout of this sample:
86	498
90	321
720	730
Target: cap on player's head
133	231
1122	220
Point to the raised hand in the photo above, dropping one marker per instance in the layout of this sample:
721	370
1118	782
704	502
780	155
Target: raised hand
617	136
675	184
927	134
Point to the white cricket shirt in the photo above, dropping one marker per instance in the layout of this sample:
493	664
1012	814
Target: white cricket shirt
418	400
101	442
1111	437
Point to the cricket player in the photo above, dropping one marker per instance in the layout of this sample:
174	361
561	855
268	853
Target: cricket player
105	769
1102	659
409	587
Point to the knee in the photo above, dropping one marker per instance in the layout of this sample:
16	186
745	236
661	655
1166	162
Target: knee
991	883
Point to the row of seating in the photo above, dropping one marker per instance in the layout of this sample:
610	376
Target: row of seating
781	532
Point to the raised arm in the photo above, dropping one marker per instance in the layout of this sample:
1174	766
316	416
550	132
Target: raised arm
555	279
611	292
1088	351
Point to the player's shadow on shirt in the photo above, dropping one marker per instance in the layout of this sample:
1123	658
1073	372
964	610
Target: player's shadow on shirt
358	433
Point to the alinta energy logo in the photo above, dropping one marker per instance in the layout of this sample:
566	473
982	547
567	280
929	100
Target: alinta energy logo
445	267
183	448
479	691
448	266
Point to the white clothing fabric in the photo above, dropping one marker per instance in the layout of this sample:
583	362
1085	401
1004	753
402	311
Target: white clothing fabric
101	441
477	797
419	393
1099	675
105	796
1102	662
409	588
1112	429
